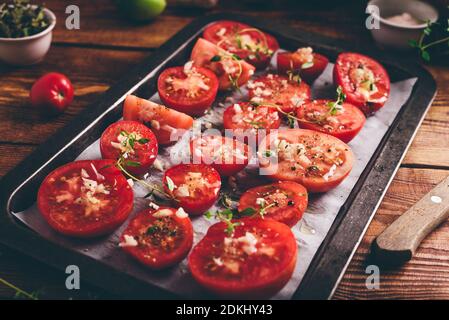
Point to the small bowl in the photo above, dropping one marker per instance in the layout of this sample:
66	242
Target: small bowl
394	35
28	50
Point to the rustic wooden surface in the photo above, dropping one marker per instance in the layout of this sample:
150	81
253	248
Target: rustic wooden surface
107	46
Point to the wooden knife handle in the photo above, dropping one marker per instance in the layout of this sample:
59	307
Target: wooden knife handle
400	240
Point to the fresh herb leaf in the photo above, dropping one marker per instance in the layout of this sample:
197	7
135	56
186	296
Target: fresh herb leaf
129	163
20	19
215	58
143	140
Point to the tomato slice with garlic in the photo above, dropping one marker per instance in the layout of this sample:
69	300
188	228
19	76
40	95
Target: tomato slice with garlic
249	43
231	70
133	142
168	125
316	160
255	261
283	201
188	89
305	63
159	237
85	198
246	120
194	187
279	91
364	81
228	156
341	121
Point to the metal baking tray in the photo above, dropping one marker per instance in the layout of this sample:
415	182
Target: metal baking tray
19	187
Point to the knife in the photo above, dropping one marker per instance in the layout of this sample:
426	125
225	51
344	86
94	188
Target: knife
398	242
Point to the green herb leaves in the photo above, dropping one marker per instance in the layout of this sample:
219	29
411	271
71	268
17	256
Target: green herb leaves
336	105
422	46
228	215
21	19
170	184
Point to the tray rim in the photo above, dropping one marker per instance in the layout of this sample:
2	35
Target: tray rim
15	236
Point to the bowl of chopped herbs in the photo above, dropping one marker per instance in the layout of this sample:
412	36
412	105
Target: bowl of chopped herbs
25	32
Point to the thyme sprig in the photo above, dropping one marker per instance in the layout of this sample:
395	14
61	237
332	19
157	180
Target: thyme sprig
335	106
19	292
228	215
423	47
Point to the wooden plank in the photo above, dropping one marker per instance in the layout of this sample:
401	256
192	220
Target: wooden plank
12	154
426	275
92	71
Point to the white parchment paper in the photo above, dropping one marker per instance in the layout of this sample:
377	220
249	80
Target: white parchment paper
309	232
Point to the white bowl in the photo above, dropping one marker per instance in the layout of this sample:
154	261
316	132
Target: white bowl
28	50
395	35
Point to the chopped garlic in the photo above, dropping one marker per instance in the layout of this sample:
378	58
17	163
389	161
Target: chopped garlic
180	213
162	213
130	241
154	206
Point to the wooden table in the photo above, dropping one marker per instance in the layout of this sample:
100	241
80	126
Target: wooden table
106	46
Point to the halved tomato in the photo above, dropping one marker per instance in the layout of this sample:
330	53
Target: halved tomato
131	140
85	198
167	124
230	69
158	238
280	91
194	187
364	81
343	122
256	261
228	156
247	119
188	89
316	160
249	43
303	63
283	201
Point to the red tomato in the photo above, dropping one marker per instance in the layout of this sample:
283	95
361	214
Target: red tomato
249	43
316	160
231	71
227	156
158	238
246	119
188	89
283	201
280	91
133	139
85	198
343	123
364	81
167	124
52	93
255	262
195	187
303	62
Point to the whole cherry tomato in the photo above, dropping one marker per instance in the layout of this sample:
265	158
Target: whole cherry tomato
52	93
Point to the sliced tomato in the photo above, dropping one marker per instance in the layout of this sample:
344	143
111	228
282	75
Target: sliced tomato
303	62
256	261
158	238
344	122
273	89
167	124
316	160
132	140
188	89
246	120
230	69
194	187
364	81
228	156
251	44
283	201
85	198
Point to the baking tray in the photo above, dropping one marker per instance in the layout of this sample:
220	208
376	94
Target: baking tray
19	186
